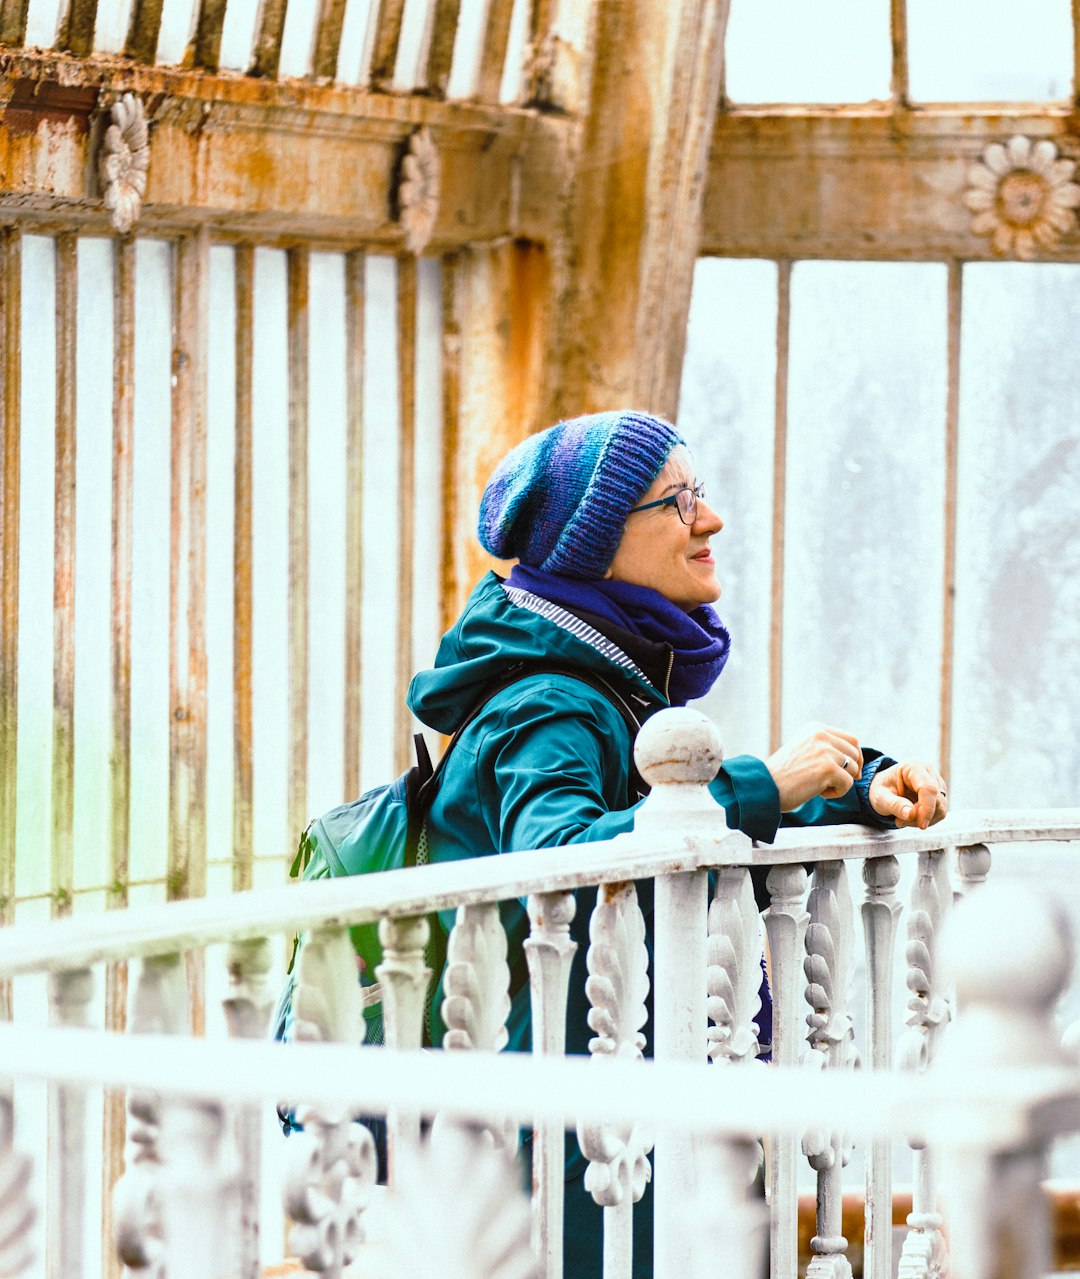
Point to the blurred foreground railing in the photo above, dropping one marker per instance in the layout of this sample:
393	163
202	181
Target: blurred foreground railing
984	1103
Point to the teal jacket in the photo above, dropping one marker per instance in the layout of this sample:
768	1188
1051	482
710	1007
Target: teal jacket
547	760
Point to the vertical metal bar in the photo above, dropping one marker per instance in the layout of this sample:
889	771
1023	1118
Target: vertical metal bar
299	548
493	58
13	15
243	832
779	513
208	31
120	753
70	993
354	511
1076	49
76	34
267	54
144	30
952	433
387	38
63	735
436	74
898	22
451	407
406	349
10	393
330	22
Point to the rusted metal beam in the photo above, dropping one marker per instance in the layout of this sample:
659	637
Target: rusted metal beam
779	506
952	439
299	542
13	15
63	734
387	38
144	30
208	29
1076	51
493	57
452	590
267	54
354	512
328	39
76	34
406	355
243	841
441	48
898	30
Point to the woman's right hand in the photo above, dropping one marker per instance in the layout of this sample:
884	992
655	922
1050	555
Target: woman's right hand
821	761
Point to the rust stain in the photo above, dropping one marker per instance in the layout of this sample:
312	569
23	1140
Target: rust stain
32	101
609	892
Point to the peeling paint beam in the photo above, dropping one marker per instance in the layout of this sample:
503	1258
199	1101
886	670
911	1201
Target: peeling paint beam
1076	49
243	840
268	41
208	29
898	27
406	352
328	39
13	14
144	30
451	409
354	511
441	47
387	38
76	33
493	59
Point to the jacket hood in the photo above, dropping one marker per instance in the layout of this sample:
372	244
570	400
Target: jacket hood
492	634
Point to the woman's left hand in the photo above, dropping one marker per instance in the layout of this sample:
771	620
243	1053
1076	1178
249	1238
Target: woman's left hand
912	792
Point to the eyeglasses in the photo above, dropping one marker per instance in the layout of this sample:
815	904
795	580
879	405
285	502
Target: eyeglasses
684	500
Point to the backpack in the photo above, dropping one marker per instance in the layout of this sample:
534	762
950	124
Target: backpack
385	829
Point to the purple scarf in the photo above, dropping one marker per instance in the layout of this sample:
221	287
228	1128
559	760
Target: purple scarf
699	639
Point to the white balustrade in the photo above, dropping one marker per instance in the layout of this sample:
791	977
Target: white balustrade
980	1102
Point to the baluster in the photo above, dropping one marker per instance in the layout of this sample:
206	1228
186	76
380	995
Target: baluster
196	1188
1010	952
247	1011
678	753
403	976
159	1007
17	1210
617	987
549	952
829	966
734	968
785	924
735	1221
477	994
880	912
924	1252
69	999
972	868
331	1166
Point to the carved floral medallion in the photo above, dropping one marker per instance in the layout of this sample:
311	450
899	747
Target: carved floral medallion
418	190
1022	196
124	160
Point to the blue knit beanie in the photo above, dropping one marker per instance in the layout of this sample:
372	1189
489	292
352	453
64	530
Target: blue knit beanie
558	502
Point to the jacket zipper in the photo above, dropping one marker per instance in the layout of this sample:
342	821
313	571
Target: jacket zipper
667	678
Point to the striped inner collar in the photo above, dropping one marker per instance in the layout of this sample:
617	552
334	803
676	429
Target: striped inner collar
579	629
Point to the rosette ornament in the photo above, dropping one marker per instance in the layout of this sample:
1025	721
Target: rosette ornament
418	190
125	158
1022	196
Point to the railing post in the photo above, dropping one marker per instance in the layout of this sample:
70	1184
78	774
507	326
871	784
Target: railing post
549	951
785	924
69	998
678	753
403	976
1010	952
972	868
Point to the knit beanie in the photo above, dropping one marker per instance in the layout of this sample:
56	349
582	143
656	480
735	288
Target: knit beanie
558	502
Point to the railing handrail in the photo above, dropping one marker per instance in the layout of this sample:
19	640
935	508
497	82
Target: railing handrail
994	1107
175	926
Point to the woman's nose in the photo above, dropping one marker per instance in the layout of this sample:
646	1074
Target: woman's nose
708	521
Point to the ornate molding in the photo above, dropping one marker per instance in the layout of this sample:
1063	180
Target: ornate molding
734	968
124	160
1022	196
477	981
419	188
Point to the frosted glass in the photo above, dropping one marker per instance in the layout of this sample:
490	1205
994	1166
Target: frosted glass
177	30
987	50
37	453
413	44
513	77
468	47
220	524
328	499
93	560
382	517
42	21
150	560
863	565
791	51
111	25
1016	713
270	557
238	34
726	412
357	34
298	40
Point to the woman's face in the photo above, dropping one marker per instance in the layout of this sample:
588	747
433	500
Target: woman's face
657	549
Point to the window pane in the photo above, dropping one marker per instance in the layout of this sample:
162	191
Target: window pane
1016	716
988	50
726	411
863	566
791	51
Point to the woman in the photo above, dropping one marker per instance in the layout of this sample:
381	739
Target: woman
615	577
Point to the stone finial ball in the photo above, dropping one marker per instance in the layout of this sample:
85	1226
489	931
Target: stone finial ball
678	745
1007	944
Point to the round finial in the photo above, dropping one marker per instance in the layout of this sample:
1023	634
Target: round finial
678	745
1008	945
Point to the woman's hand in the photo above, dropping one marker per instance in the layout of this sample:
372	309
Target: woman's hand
824	762
913	792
